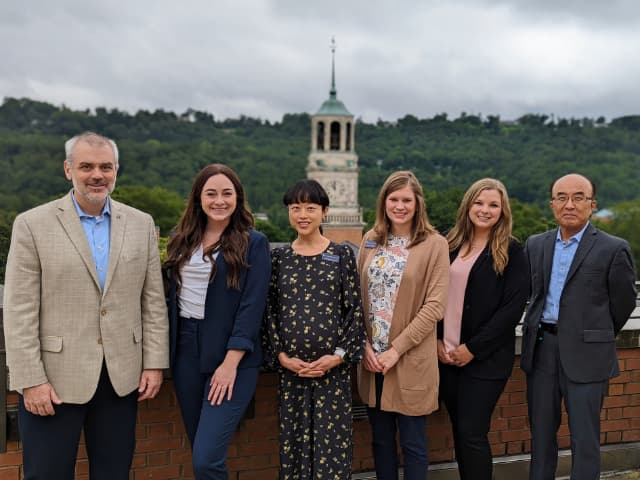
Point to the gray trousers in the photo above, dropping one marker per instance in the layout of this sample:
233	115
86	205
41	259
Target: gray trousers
547	386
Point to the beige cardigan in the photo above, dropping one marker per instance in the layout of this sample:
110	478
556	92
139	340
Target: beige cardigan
411	386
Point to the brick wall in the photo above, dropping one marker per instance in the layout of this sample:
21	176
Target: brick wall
163	452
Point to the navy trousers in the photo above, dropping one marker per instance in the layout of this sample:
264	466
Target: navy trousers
413	441
547	385
50	443
210	428
470	402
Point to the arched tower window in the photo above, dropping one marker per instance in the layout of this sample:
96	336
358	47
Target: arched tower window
348	147
335	136
320	136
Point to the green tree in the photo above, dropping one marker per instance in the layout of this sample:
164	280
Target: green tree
624	224
163	205
271	231
528	220
442	207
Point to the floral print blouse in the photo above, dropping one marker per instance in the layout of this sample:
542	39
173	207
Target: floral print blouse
385	274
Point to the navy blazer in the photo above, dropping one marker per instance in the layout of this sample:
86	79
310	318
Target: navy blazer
232	318
493	306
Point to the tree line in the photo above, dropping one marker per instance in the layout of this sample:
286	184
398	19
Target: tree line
162	151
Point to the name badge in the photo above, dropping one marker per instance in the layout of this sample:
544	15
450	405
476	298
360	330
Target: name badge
330	257
370	244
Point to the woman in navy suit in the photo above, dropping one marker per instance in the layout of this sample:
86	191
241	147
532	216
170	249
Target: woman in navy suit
488	288
219	270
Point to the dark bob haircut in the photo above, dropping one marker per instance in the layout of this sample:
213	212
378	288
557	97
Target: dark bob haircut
306	191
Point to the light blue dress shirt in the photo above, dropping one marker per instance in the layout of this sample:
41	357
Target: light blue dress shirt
563	254
97	230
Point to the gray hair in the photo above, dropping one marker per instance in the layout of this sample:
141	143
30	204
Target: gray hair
93	139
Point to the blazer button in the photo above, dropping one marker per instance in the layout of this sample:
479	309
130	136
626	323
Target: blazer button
103	312
100	341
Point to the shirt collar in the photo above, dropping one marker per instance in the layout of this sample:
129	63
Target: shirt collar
106	210
575	238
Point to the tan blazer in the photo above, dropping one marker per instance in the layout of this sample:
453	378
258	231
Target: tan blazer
411	386
59	326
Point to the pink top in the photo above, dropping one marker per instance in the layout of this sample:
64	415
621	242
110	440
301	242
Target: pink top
458	277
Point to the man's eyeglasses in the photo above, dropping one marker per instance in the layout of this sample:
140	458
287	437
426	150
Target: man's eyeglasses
577	198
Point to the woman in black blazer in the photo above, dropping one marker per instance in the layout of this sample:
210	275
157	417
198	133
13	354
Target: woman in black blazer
488	289
219	270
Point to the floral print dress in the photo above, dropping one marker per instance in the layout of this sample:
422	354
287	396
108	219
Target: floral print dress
313	308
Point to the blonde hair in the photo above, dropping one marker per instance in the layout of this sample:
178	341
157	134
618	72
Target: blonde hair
500	236
420	226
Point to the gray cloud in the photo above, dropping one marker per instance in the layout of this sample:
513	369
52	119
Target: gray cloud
267	58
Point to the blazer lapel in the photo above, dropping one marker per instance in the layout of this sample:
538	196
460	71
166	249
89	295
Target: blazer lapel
587	242
548	248
219	280
116	240
68	218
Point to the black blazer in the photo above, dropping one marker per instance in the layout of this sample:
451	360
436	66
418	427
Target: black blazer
493	306
598	297
232	318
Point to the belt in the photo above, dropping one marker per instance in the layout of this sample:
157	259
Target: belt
551	328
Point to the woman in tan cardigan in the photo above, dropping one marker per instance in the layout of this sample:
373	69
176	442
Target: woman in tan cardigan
404	269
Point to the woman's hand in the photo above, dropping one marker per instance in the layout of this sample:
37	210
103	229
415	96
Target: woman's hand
321	366
224	378
461	356
388	359
370	360
222	383
443	355
293	364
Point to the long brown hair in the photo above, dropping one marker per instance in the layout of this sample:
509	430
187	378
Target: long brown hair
233	242
500	235
420	226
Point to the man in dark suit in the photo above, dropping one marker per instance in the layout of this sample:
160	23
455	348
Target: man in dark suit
582	293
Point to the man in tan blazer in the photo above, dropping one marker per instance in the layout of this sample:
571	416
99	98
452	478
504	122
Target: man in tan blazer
85	320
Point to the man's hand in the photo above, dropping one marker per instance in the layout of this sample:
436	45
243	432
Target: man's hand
40	399
150	382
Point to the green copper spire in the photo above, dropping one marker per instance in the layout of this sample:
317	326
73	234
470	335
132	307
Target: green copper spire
333	106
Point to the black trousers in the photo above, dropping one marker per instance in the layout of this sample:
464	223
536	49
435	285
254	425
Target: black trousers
50	443
547	386
470	402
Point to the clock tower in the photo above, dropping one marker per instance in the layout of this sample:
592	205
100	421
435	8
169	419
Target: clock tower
333	162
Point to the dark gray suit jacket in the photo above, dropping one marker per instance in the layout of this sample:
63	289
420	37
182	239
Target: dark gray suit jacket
597	299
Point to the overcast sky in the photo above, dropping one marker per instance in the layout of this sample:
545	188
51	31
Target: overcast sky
265	58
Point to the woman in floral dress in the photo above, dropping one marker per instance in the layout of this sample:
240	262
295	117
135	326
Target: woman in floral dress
314	333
